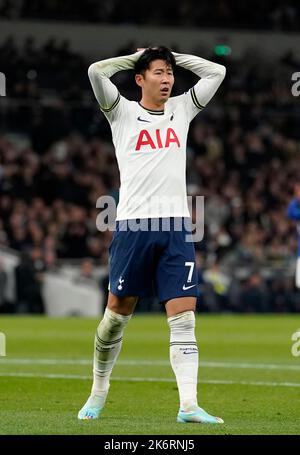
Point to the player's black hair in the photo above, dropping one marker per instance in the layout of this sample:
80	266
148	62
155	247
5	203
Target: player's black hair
154	53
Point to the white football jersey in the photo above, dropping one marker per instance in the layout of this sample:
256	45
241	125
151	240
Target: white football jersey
151	145
151	153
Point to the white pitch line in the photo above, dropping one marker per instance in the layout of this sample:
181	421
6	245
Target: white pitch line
149	379
255	366
206	364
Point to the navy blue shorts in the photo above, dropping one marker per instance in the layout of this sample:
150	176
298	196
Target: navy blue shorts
145	263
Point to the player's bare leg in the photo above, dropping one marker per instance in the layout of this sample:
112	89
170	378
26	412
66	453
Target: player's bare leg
184	359
108	342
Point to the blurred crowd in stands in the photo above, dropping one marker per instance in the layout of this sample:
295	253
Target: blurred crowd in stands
57	159
267	14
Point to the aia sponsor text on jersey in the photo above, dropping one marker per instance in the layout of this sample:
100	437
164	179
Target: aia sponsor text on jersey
157	140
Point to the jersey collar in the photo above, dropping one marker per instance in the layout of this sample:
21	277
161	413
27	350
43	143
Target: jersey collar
151	111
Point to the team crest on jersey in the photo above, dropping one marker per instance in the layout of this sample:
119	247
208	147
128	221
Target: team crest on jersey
156	141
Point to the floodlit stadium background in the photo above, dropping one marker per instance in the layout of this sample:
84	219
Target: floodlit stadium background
56	155
57	159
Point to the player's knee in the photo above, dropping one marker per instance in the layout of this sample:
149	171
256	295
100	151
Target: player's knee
121	305
182	321
112	322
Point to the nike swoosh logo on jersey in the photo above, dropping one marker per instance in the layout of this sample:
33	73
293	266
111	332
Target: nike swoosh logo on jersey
185	288
143	120
186	353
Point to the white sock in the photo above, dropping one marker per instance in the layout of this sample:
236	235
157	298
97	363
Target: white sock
107	346
184	357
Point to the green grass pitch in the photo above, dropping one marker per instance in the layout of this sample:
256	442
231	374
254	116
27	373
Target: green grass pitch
247	375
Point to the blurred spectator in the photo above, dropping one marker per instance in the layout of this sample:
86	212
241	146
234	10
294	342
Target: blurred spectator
29	281
293	212
254	297
218	284
3	285
87	273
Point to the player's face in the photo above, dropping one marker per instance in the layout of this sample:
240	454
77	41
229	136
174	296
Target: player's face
158	81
